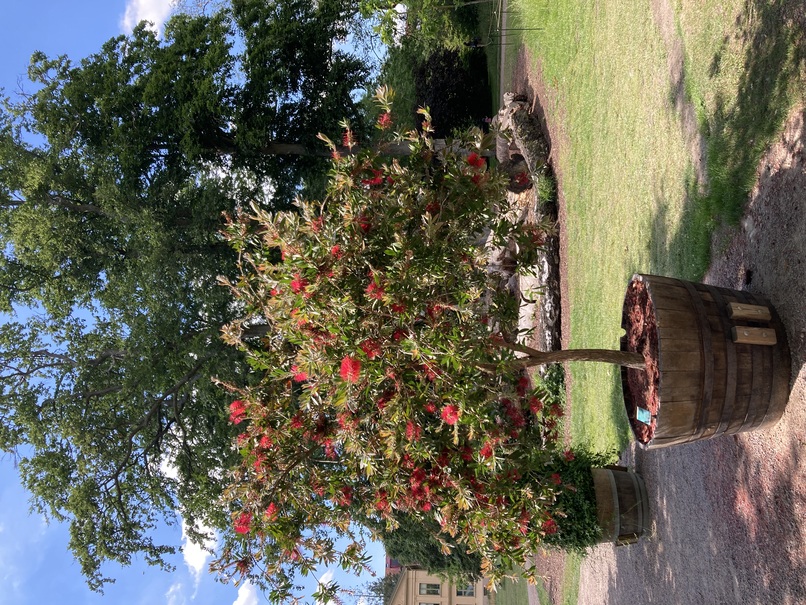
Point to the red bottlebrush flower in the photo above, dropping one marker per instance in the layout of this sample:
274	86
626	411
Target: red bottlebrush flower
336	252
364	223
350	369
237	411
417	477
347	139
316	224
413	431
243	524
450	414
549	526
347	421
432	207
568	455
298	284
271	512
381	501
425	507
260	458
266	442
371	348
274	291
398	307
430	407
475	160
383	400
523	385
522	179
399	334
296	421
299	375
433	310
477	179
523	521
345	497
556	410
486	450
377	178
375	291
516	418
430	371
556	479
535	405
385	120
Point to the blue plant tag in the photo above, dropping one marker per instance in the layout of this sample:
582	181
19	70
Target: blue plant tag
643	415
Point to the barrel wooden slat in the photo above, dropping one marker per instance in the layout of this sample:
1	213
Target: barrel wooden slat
710	385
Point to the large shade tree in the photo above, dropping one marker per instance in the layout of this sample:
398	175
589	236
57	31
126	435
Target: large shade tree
114	172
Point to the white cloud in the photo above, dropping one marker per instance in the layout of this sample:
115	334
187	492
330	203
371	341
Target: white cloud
247	595
196	555
156	11
175	596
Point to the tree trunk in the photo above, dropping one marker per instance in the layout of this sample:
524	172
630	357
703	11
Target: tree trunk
621	358
539	358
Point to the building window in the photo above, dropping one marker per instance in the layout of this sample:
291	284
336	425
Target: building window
467	591
429	589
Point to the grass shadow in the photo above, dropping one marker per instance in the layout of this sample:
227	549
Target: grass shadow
738	134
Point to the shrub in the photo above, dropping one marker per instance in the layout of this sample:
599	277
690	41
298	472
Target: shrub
386	388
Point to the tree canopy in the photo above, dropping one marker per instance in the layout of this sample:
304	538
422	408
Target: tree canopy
114	173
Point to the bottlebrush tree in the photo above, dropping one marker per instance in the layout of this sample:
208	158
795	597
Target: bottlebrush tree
388	382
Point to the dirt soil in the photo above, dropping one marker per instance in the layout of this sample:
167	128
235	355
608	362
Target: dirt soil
727	514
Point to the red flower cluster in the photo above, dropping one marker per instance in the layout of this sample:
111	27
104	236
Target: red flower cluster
385	120
350	369
298	284
243	524
371	348
237	411
475	160
299	375
377	178
375	291
549	526
271	512
450	414
413	431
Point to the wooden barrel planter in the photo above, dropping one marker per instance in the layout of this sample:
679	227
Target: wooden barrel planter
621	505
717	361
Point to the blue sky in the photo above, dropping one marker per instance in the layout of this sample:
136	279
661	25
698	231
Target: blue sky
35	565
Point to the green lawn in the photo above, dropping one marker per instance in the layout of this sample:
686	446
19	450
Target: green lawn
633	85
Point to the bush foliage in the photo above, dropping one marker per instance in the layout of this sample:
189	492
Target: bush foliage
385	391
